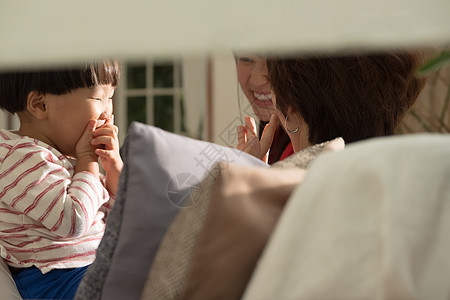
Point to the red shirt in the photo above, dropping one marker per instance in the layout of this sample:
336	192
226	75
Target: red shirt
287	151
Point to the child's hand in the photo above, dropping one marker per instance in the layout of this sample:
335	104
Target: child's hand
87	160
248	140
84	148
106	141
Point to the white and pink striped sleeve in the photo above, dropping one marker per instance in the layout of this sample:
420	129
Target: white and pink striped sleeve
39	185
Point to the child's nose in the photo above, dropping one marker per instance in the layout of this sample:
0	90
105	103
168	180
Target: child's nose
105	115
107	111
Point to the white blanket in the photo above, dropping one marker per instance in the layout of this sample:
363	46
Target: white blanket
369	222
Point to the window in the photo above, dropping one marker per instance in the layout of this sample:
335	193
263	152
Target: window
169	94
153	94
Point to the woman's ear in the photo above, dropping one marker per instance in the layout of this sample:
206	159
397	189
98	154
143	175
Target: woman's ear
36	105
290	110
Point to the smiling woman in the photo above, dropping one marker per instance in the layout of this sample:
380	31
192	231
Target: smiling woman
254	82
353	96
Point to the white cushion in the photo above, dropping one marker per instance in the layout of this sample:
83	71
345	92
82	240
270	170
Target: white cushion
7	286
369	222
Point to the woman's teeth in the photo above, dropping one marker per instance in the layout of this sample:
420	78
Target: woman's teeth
263	97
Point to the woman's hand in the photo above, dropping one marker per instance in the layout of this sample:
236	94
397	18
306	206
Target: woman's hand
106	141
248	140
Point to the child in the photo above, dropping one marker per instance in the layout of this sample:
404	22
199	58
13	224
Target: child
53	198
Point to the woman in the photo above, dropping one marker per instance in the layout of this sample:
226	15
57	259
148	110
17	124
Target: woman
253	79
350	96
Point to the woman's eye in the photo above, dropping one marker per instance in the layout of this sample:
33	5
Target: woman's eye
245	59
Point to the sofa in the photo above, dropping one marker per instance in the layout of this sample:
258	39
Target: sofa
370	221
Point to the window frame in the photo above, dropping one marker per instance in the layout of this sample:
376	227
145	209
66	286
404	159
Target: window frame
149	92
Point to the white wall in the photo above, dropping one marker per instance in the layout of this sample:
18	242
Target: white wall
3	120
6	119
205	26
195	73
225	99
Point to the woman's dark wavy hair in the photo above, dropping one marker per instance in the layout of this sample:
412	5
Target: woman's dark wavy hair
15	86
350	96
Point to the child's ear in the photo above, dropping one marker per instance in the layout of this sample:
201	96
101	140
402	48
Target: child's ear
36	105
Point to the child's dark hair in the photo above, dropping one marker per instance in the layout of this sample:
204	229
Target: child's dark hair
15	86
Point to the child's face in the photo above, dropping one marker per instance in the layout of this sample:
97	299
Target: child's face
69	114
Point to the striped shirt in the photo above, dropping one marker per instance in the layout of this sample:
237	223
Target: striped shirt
49	217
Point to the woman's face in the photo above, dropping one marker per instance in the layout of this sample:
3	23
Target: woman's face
254	82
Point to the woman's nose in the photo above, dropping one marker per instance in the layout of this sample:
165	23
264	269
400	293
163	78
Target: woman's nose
260	74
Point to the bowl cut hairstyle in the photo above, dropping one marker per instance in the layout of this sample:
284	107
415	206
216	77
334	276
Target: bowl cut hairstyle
15	86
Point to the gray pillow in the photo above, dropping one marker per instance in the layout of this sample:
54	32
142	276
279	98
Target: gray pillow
169	273
161	172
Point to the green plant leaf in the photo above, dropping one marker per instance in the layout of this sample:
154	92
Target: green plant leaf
435	63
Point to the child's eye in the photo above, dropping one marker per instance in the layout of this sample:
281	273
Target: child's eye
95	98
